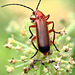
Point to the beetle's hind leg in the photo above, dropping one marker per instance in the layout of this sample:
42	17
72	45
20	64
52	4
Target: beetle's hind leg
34	46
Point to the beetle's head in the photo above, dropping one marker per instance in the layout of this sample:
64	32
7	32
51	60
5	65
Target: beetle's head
38	14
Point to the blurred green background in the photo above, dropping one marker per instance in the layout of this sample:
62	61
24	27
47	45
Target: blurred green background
58	9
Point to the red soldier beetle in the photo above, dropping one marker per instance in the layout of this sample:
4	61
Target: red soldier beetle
42	33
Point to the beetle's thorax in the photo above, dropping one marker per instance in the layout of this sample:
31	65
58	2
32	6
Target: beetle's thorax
39	14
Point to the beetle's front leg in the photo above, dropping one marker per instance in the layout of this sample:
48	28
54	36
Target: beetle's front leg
33	19
47	17
34	45
32	26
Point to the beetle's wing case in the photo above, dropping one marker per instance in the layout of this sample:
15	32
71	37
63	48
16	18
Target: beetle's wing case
42	35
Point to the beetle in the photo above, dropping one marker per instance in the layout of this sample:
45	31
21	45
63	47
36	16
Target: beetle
42	32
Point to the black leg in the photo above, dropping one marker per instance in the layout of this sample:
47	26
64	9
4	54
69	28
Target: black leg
34	46
53	42
57	32
32	26
54	36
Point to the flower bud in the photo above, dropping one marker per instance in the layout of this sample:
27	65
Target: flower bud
67	68
35	67
23	58
58	59
63	32
8	45
9	69
11	40
23	32
71	61
51	60
45	70
12	61
57	66
18	47
25	69
68	38
66	48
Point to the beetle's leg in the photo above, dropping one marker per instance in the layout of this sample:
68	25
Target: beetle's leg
32	26
34	45
50	31
57	32
33	18
53	42
52	27
47	17
49	22
54	34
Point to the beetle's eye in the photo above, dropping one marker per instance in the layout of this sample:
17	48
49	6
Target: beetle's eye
33	13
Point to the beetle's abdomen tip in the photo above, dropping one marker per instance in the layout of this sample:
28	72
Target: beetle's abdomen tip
44	49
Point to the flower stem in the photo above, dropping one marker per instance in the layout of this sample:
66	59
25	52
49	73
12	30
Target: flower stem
62	61
21	65
21	44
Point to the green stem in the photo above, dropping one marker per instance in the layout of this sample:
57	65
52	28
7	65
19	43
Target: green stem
13	47
21	65
21	44
62	61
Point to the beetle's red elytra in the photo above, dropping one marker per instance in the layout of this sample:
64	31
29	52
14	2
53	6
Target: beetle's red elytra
42	32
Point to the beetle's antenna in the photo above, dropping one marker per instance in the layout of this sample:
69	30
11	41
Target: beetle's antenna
19	5
38	4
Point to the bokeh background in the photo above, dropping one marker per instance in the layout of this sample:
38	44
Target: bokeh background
61	12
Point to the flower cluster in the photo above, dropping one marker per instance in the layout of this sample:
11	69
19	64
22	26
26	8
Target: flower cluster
53	63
